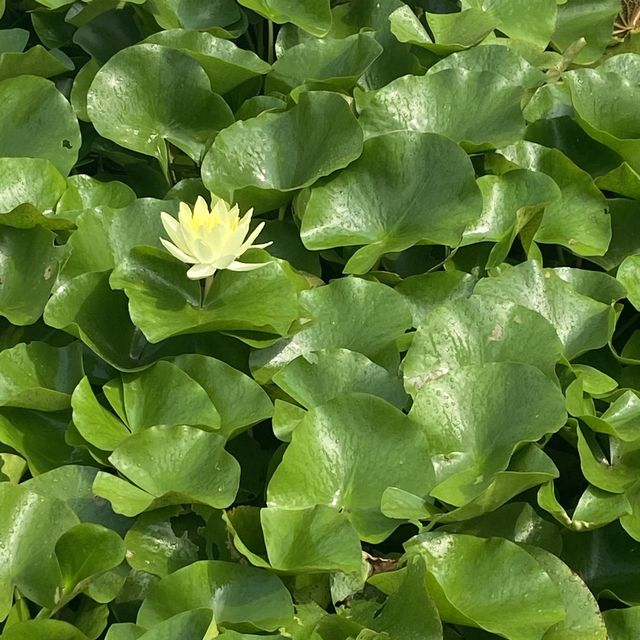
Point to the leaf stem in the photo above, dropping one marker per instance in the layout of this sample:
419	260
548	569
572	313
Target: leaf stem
270	43
207	287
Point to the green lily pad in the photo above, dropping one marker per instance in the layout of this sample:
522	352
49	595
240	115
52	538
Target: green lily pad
583	620
238	399
581	322
33	181
478	109
596	508
624	240
85	551
313	16
38	376
379	447
189	624
136	100
43	630
496	58
29	262
95	424
409	611
72	484
612	121
85	192
621	419
226	64
30	525
577	220
349	313
154	546
532	22
328	62
529	467
192	14
518	600
613	467
451	31
36	61
105	236
511	202
364	206
163	302
166	395
622	624
38	122
89	309
593	22
623	180
312	540
176	465
629	275
38	437
238	595
251	162
426	291
476	330
315	378
470	441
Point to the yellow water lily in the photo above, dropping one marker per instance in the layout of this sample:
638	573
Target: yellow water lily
211	239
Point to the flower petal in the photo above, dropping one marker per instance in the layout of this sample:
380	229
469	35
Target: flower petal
264	245
177	253
174	231
252	236
200	211
246	266
199	271
184	215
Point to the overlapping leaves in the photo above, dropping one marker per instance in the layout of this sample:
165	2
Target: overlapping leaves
431	383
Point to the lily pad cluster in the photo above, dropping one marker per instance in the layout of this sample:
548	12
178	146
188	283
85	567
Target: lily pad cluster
418	419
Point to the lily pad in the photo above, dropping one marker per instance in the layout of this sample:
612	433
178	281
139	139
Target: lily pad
629	275
532	22
29	263
335	63
470	440
581	322
238	399
38	122
454	559
136	100
39	376
175	464
317	539
364	206
478	109
226	64
251	162
313	16
315	378
349	313
582	19
163	302
477	330
30	525
379	447
578	219
238	595
164	394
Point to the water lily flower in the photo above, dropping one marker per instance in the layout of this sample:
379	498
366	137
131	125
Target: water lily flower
211	239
